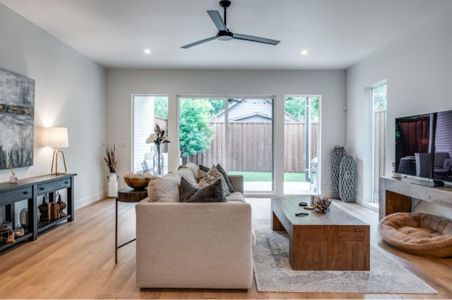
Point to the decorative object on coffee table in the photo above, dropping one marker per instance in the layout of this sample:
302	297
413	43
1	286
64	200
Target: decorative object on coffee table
137	181
111	163
347	179
321	204
158	138
335	160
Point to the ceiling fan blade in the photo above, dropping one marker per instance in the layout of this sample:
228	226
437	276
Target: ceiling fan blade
217	20
251	38
199	42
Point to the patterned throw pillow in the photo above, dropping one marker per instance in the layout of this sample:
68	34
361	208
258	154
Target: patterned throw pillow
210	177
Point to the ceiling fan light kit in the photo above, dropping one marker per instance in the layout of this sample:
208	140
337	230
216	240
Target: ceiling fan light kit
224	34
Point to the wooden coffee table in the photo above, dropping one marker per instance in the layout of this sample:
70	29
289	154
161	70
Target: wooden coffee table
333	241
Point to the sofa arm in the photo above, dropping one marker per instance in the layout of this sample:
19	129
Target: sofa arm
194	245
237	182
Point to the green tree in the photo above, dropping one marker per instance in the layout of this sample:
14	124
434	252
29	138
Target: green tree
161	107
296	107
217	105
195	130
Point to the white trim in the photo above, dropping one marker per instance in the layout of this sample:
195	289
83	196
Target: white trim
87	200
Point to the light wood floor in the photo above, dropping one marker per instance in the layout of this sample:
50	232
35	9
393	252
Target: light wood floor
76	260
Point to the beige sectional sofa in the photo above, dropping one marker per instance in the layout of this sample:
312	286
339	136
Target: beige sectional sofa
195	245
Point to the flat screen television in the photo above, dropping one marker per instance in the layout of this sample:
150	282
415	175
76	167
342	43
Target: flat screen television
424	146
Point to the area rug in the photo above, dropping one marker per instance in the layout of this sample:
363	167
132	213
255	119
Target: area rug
274	274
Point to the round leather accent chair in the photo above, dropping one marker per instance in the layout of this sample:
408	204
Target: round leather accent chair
418	233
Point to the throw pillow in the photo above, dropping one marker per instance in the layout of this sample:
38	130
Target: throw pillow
194	168
164	189
187	174
213	172
226	178
210	193
203	168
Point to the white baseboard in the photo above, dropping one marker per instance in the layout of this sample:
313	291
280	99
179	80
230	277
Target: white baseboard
82	202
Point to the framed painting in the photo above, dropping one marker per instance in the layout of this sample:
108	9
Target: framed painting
17	99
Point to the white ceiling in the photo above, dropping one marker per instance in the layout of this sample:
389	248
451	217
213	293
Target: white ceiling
337	33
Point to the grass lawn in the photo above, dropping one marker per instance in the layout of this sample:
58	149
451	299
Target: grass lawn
267	176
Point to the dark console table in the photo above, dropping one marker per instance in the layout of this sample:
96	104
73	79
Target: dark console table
28	190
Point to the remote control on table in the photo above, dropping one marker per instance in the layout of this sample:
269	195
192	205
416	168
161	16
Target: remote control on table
301	214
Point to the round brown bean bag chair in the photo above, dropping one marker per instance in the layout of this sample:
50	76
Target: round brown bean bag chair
418	233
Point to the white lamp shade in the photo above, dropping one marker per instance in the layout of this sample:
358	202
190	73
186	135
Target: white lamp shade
55	137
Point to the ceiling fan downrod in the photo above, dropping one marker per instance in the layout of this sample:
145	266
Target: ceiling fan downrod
225	4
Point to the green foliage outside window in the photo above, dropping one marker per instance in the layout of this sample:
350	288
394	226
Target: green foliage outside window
296	107
195	130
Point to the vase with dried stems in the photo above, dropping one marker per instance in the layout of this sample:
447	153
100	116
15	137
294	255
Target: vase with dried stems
111	163
158	138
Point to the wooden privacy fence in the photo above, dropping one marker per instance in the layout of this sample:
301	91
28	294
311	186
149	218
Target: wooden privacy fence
249	147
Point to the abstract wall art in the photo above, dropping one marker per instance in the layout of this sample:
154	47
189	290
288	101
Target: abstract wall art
17	95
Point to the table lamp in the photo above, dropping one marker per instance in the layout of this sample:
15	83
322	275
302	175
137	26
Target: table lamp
56	138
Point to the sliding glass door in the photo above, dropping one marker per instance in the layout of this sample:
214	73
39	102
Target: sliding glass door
250	142
235	132
202	130
301	144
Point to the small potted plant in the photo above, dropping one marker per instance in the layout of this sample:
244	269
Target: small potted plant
158	138
111	163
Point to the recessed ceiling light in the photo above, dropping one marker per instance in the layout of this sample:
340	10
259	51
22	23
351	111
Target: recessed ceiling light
147	51
304	52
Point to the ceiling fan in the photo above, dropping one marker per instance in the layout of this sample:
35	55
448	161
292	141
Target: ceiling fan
223	32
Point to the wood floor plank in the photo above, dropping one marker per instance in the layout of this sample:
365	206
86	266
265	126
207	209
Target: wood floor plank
76	260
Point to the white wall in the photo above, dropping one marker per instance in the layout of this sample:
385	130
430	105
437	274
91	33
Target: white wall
121	84
70	92
418	69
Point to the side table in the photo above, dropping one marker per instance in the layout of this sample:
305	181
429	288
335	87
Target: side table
126	195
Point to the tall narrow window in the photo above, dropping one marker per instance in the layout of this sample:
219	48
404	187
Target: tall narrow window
301	144
379	105
148	111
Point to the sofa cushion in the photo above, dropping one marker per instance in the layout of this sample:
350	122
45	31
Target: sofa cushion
236	196
210	193
164	189
226	178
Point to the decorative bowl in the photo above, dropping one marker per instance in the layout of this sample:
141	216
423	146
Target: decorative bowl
137	181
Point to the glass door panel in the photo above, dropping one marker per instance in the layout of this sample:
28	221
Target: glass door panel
301	144
148	111
202	130
249	145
